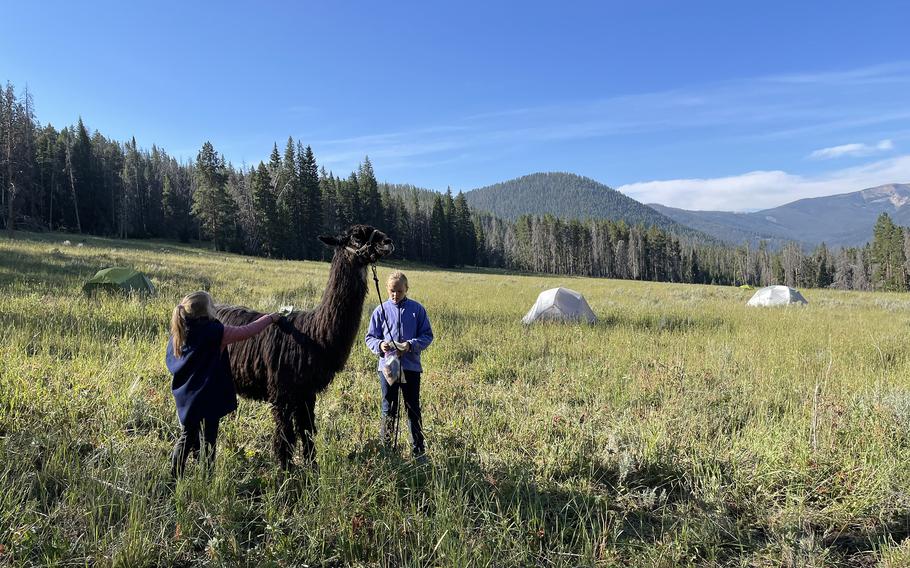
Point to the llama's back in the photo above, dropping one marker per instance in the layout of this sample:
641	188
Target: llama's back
248	358
289	358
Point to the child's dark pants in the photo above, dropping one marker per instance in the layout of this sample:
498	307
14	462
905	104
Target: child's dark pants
411	392
189	442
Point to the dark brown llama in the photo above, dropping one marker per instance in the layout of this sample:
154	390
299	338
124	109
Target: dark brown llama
288	364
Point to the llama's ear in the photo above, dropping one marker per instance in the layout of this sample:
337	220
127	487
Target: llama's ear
330	241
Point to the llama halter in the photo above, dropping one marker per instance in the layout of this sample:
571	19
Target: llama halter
363	252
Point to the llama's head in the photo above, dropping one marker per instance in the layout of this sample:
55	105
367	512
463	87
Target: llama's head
364	244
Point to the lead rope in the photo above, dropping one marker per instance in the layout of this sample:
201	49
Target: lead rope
388	328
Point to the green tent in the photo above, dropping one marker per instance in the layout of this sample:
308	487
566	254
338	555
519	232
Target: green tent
119	279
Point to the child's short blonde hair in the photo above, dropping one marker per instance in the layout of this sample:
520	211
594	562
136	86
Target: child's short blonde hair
397	276
192	306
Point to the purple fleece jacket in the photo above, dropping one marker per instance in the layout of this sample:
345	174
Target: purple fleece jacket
407	321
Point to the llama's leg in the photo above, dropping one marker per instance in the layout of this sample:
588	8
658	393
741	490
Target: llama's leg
284	438
305	417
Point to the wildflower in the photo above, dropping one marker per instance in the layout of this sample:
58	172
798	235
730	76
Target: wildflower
357	523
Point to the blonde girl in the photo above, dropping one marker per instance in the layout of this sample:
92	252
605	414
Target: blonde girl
202	385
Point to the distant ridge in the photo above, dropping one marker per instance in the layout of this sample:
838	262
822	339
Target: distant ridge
840	220
567	196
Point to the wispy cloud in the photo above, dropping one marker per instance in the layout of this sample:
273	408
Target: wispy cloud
764	189
743	111
881	74
853	150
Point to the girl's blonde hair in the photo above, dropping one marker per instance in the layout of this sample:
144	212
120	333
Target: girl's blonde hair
397	276
192	306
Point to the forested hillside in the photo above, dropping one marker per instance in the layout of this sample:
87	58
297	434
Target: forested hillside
567	196
76	180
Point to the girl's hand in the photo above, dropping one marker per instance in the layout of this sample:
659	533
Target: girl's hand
403	346
274	316
385	347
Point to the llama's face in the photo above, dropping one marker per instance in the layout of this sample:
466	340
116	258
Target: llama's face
365	244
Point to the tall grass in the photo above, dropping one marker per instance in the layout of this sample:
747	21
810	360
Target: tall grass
682	429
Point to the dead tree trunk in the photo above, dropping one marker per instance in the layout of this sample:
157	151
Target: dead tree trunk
69	167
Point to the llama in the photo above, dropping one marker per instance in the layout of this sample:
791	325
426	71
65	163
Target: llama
288	364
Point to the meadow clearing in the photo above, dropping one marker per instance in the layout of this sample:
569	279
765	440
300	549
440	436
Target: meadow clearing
684	428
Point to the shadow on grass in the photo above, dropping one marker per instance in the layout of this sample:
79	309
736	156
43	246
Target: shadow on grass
98	325
586	505
622	507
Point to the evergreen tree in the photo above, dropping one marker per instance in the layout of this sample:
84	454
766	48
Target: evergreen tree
265	208
83	179
370	200
825	267
439	236
418	228
448	228
312	200
176	209
329	194
465	235
45	208
275	169
350	210
292	205
888	255
212	204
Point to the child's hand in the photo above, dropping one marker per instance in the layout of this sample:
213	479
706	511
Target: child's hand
275	316
403	346
385	347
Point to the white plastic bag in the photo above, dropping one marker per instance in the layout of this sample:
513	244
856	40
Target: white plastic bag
391	368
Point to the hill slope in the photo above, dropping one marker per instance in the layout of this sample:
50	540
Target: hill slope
845	219
565	195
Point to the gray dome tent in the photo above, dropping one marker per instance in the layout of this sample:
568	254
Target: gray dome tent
119	279
776	296
560	304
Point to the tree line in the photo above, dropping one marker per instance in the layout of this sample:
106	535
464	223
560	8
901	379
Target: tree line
83	182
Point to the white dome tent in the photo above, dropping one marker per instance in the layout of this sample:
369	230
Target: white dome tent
776	296
560	304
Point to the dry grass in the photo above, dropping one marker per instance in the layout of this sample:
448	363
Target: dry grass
683	429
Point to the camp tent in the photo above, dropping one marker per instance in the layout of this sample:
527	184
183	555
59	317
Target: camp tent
776	296
119	279
560	304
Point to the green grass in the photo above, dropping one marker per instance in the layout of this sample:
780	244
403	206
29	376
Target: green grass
683	429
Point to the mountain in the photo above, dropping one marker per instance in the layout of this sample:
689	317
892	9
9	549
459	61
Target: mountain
568	196
845	219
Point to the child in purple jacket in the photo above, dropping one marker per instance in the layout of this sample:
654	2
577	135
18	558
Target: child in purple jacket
400	326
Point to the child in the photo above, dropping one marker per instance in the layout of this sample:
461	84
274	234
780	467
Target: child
202	385
410	329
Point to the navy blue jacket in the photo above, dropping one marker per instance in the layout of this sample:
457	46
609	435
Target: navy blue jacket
202	385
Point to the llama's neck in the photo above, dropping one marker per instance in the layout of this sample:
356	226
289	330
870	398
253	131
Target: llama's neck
337	318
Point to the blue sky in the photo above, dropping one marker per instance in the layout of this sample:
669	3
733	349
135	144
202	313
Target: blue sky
708	105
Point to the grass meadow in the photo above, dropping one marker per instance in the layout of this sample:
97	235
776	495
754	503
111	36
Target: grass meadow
684	428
